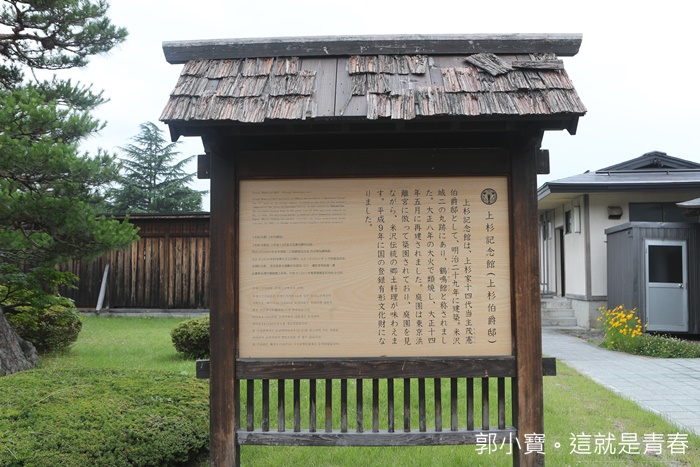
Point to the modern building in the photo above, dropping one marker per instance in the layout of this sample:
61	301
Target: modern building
577	213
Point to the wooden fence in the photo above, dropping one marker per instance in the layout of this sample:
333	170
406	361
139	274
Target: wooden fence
168	268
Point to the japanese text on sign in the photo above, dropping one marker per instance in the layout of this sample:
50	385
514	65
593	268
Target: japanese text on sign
374	267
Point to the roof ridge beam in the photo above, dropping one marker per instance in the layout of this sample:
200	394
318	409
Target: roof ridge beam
564	45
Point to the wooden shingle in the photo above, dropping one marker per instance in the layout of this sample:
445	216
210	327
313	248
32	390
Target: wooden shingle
252	89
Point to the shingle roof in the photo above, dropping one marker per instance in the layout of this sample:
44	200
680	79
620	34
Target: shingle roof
255	89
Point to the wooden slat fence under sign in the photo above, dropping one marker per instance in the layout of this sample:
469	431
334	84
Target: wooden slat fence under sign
318	418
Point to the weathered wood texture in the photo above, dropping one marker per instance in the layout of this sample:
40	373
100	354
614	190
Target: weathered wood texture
168	268
560	44
224	391
404	85
375	368
528	398
426	430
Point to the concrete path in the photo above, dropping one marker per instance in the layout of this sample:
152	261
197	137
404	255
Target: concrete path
667	386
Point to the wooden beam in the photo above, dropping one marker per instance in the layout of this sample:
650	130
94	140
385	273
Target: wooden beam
369	368
369	438
223	320
565	45
543	162
527	391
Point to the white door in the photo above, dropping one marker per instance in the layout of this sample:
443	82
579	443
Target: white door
666	285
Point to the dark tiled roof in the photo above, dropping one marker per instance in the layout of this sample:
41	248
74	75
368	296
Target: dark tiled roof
649	172
372	86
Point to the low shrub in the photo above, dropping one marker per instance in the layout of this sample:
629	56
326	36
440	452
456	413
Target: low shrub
191	337
623	332
622	329
52	328
81	417
667	347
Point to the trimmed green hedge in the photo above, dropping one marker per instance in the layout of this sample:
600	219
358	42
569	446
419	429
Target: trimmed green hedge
51	329
86	417
191	338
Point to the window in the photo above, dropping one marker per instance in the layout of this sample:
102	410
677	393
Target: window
568	222
656	212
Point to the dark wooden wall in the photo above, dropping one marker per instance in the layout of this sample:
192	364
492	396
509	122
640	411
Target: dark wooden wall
168	268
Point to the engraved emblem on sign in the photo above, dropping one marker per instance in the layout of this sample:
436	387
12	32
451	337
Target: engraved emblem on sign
489	196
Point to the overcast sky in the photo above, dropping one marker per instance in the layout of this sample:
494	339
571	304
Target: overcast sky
635	72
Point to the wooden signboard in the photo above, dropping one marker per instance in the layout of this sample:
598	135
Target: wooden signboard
374	267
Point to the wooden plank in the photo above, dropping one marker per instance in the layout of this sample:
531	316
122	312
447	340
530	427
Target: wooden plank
250	405
543	162
406	405
312	405
391	163
375	405
329	405
554	64
565	45
347	104
501	398
237	405
297	405
360	407
266	405
454	419
470	403
490	63
133	275
192	245
485	404
343	405
325	84
549	368
421	405
437	392
433	367
223	390
280	405
528	395
390	404
383	438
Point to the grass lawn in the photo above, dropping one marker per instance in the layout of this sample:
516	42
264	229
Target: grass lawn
580	415
135	343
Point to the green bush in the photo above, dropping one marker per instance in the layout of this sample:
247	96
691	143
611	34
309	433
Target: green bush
52	328
667	347
191	337
86	417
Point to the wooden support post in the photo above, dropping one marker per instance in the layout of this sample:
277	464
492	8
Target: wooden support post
223	390
527	393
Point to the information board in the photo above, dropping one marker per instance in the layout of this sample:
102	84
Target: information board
393	267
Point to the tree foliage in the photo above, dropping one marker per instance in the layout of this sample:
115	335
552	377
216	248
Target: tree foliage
153	180
50	193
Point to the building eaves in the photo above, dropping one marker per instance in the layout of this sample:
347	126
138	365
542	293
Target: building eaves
646	181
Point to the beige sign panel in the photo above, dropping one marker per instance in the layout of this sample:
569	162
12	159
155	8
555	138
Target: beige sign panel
390	267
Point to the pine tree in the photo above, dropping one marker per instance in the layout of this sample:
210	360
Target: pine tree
153	180
50	193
